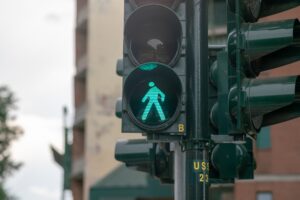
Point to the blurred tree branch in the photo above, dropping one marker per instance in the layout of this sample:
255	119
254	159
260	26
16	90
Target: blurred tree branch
8	133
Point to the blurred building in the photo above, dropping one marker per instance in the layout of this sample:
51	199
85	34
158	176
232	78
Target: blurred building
80	87
98	45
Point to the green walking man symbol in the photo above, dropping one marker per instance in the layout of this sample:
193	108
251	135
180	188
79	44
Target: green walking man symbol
153	96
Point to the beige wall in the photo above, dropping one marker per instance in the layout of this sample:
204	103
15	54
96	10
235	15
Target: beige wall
105	41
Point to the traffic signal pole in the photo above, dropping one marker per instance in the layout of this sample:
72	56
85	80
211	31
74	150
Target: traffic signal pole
179	172
197	144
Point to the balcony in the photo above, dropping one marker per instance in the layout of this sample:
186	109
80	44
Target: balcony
78	168
80	115
82	17
82	65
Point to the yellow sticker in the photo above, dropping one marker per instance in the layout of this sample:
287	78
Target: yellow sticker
196	166
203	178
201	166
181	128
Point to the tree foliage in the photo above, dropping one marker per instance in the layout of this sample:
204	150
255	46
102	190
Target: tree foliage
9	132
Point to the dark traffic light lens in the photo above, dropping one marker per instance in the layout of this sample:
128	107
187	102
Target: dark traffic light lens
251	9
156	44
153	96
153	34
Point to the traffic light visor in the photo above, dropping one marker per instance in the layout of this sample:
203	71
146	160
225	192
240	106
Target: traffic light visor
169	3
153	33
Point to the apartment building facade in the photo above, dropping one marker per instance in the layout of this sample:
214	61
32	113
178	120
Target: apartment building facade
96	88
80	87
99	43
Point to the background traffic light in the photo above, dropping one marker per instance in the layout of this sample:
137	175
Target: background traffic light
248	103
154	69
232	161
240	103
153	158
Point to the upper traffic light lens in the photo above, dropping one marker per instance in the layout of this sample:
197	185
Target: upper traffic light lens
156	44
153	96
252	10
253	7
153	34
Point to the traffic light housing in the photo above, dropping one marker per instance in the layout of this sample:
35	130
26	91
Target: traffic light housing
153	158
232	161
252	10
240	103
154	69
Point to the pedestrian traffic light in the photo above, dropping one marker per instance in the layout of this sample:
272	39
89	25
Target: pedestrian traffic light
153	158
152	94
154	68
246	103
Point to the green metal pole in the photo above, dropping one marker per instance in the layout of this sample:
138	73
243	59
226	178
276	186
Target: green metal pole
179	172
65	113
197	145
238	63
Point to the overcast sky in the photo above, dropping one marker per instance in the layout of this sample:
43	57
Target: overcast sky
37	63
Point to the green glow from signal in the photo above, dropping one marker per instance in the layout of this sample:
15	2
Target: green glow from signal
148	66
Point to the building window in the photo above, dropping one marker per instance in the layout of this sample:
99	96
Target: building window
264	196
264	139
